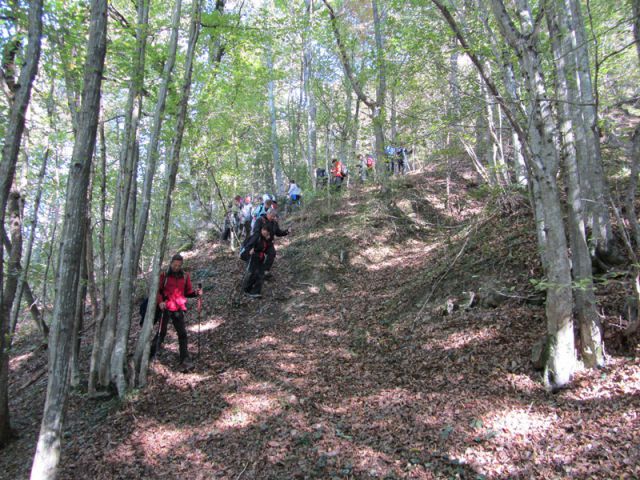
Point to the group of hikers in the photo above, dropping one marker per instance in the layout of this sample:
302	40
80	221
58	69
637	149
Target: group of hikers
258	227
396	163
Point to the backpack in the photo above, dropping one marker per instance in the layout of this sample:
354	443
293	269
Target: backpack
369	161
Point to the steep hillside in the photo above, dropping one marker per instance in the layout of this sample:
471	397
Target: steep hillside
394	342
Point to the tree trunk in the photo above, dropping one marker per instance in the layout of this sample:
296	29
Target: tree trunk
312	133
17	110
141	357
591	169
378	111
27	255
591	345
74	358
45	462
152	150
127	193
275	147
560	363
10	286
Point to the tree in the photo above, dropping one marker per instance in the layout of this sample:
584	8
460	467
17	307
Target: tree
45	462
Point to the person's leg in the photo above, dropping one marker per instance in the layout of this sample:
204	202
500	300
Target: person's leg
271	256
249	275
178	322
162	332
256	288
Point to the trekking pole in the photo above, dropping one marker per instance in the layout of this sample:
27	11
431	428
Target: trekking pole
199	315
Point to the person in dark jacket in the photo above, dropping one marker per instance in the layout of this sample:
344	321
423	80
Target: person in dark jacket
175	288
257	247
270	222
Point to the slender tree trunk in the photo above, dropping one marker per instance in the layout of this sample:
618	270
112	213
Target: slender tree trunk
591	169
152	150
101	314
74	358
45	462
129	176
591	345
378	111
10	287
21	92
141	357
27	256
275	146
312	134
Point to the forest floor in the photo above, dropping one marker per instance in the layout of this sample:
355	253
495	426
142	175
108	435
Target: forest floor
348	368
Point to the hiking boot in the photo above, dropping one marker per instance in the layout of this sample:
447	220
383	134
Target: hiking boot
185	365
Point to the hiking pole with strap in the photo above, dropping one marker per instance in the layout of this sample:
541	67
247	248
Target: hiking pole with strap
199	315
159	334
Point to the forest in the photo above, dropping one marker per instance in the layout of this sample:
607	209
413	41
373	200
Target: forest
451	190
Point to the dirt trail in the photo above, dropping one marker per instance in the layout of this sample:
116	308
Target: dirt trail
334	375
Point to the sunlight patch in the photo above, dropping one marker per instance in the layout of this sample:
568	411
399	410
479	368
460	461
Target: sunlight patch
245	408
206	326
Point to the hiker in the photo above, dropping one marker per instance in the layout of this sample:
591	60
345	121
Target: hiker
232	218
175	288
245	217
321	177
337	173
270	222
256	247
294	194
261	209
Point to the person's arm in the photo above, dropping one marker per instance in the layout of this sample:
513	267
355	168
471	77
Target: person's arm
189	292
278	232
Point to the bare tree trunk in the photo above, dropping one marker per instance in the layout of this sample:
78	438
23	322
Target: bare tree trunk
378	112
129	176
152	150
312	133
10	287
45	462
21	92
591	168
275	147
591	345
100	315
74	358
141	357
27	255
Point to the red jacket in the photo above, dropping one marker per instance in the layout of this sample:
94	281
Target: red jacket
336	170
175	290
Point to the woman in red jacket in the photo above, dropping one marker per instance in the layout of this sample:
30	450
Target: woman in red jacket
175	288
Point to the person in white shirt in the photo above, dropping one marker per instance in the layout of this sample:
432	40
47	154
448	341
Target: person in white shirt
294	193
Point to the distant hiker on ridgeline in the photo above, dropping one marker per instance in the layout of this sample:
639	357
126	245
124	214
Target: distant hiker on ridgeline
256	249
270	222
175	288
245	217
397	158
338	173
294	195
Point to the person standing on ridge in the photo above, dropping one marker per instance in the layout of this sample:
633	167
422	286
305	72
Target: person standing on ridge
175	288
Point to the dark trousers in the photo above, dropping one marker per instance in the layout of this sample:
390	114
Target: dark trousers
177	318
247	228
254	276
271	256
